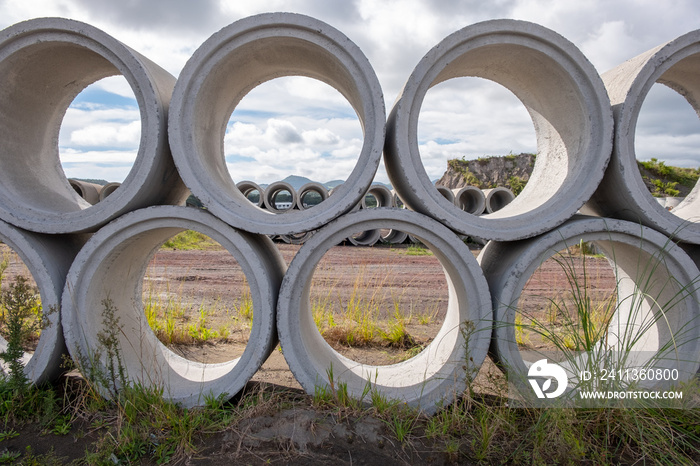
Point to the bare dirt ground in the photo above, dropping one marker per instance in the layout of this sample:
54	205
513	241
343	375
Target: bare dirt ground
209	290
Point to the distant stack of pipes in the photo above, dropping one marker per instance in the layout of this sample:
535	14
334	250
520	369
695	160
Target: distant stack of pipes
470	199
88	254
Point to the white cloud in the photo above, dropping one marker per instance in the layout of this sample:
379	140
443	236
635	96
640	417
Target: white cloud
107	135
108	165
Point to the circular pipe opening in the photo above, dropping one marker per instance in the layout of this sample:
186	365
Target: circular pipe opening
34	191
226	67
565	98
98	308
437	372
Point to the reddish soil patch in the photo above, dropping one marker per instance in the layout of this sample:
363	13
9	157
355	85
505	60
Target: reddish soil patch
389	277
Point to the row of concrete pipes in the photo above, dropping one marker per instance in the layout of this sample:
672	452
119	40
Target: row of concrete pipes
85	257
470	199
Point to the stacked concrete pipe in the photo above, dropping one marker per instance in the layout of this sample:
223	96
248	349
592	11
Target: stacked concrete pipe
571	112
307	189
61	57
123	249
48	258
383	198
658	308
497	198
225	67
470	199
565	98
108	189
88	191
441	371
622	192
247	188
275	189
446	192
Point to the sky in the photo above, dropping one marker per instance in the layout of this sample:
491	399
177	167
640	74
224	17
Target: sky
298	126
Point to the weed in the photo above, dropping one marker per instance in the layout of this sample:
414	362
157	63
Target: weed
516	184
190	240
21	323
418	250
8	434
62	426
7	456
402	422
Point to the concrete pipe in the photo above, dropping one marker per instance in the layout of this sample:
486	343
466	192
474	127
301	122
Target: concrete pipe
228	65
44	64
446	192
48	258
297	238
394	237
497	198
249	190
656	313
381	194
276	189
436	375
397	200
310	195
622	193
88	191
365	238
108	189
123	249
566	100
470	199
382	198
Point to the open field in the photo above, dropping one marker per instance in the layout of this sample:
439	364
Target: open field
200	308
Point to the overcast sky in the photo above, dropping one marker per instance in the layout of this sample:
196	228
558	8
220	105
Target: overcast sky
298	126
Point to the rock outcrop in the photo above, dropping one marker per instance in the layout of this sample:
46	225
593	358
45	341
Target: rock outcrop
511	171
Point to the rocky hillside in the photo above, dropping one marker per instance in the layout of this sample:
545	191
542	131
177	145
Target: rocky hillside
666	181
511	171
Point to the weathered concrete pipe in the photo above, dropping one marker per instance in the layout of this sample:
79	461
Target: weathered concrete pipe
248	189
275	189
437	374
88	191
657	290
383	198
365	238
297	238
108	189
381	194
307	192
44	64
566	100
123	249
470	199
48	258
226	67
622	193
446	192
497	198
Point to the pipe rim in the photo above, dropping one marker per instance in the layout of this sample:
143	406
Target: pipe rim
590	125
667	64
508	267
134	238
48	265
202	166
39	43
309	356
